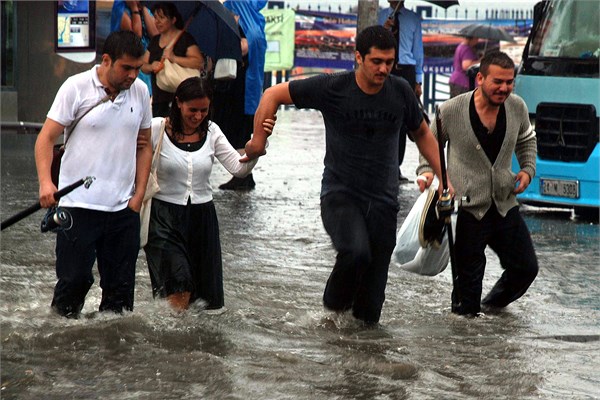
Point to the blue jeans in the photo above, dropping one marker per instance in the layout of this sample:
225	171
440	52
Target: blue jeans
111	238
509	238
364	235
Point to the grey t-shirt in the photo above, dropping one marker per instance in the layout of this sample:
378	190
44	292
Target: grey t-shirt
361	132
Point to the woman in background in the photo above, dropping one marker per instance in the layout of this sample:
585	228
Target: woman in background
464	58
185	52
134	16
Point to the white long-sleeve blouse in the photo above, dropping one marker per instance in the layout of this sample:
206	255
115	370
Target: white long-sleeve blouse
184	175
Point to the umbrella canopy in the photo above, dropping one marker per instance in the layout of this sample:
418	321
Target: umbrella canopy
213	27
485	32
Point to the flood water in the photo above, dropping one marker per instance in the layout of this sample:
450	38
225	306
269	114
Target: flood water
275	341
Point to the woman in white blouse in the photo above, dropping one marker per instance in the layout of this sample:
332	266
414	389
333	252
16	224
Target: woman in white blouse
184	249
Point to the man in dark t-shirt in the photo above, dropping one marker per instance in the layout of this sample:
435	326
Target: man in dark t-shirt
363	111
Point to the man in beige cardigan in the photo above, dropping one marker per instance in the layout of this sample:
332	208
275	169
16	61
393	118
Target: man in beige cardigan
483	129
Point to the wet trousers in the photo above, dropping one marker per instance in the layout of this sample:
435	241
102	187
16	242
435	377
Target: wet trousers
364	235
111	238
509	238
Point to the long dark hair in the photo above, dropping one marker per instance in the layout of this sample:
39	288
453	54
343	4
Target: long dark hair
189	89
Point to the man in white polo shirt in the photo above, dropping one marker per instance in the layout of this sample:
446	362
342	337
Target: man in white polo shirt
103	144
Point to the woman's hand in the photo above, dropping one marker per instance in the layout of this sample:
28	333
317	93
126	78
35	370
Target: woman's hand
268	125
157	66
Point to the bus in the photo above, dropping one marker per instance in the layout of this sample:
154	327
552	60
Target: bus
558	78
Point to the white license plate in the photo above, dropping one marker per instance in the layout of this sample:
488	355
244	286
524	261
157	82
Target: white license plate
559	188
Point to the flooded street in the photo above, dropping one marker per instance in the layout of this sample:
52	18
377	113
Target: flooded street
275	341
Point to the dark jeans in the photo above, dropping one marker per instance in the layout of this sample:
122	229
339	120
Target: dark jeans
509	238
364	235
111	238
409	73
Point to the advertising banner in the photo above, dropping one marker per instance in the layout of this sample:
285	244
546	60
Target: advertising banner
279	30
325	40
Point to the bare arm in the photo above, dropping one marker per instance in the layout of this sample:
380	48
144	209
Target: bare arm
272	98
192	59
466	64
149	20
142	169
244	45
428	147
43	160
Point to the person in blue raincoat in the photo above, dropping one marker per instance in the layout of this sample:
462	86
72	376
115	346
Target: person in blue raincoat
136	17
252	23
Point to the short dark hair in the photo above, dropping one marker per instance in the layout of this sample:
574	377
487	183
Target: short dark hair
374	36
120	43
498	58
170	10
190	89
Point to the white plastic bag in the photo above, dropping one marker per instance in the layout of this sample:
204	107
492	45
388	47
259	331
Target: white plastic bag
407	242
225	69
408	252
429	261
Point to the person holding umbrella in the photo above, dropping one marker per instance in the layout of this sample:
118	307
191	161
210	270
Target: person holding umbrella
405	25
483	128
464	57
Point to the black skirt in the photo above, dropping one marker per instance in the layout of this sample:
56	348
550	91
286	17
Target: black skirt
184	251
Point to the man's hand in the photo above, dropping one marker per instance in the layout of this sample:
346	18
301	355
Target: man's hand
418	90
135	203
47	191
388	24
252	150
524	180
426	179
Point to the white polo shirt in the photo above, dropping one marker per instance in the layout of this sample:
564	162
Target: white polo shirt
103	143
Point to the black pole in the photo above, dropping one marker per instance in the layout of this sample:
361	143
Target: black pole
445	204
33	208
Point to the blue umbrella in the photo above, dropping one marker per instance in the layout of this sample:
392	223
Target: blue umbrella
213	27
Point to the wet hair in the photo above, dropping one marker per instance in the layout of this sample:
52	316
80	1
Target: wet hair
498	58
120	43
170	11
374	36
190	89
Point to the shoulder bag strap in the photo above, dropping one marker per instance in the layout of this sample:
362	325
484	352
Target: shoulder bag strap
71	127
156	154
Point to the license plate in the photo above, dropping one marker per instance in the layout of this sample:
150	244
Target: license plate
559	188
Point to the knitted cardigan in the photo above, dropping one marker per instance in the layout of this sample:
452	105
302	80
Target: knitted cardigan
469	169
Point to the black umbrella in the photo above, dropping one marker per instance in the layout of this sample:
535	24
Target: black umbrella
213	27
443	3
485	32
